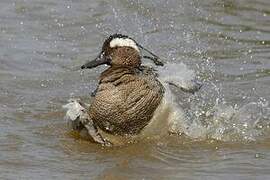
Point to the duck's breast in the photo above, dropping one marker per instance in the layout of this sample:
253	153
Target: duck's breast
125	101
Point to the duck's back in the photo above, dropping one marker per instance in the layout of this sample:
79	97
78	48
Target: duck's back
126	100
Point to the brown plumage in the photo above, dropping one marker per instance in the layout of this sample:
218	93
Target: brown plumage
128	93
125	100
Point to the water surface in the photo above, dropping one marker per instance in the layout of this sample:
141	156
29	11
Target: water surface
225	42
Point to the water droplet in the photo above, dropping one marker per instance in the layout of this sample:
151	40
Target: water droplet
245	125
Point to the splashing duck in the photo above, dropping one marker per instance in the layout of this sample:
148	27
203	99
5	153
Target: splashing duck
127	97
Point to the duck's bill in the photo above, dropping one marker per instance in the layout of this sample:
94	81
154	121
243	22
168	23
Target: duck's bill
101	59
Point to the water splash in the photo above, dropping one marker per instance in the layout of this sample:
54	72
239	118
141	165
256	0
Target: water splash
207	115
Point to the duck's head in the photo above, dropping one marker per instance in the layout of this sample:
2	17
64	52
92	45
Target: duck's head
119	50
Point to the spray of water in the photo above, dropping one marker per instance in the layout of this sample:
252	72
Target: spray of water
207	115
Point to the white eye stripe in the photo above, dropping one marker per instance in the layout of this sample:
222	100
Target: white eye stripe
120	42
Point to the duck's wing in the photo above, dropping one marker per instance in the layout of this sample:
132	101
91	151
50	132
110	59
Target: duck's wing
78	119
180	76
187	86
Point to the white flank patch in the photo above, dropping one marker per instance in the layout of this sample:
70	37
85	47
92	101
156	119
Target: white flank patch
121	42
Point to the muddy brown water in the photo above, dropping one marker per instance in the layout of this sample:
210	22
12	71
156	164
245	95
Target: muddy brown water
226	42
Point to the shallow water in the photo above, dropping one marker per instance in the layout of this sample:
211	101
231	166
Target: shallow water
225	42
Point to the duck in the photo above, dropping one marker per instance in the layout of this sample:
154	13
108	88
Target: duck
128	95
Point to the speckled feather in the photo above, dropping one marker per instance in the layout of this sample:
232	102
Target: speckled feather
128	93
126	100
